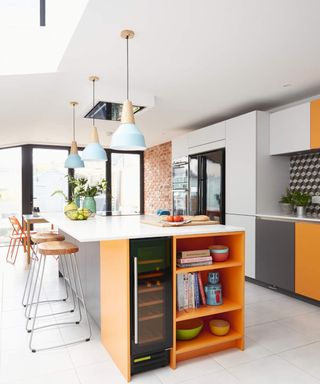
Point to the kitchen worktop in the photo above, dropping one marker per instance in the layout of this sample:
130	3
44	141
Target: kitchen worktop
280	216
101	228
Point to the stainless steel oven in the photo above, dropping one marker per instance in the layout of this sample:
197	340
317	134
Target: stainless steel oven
180	186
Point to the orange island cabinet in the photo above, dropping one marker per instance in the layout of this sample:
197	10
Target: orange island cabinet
115	298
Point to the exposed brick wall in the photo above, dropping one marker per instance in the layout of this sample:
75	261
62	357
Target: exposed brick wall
157	178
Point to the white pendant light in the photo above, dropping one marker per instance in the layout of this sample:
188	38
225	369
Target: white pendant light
128	136
73	160
94	151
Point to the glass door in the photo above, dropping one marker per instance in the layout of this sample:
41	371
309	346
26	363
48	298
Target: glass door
194	186
125	183
214	185
49	175
151	295
10	190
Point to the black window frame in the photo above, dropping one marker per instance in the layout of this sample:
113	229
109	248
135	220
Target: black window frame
27	174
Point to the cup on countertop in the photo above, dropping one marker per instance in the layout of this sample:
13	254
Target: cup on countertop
219	252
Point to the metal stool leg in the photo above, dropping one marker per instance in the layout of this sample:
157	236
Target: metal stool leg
37	302
82	299
75	285
27	287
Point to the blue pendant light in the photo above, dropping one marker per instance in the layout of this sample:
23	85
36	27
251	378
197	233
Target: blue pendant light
128	136
73	160
94	151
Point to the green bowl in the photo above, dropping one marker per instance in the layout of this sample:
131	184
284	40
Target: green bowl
189	329
78	214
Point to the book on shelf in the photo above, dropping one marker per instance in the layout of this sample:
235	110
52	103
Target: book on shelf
198	264
190	293
201	289
180	292
194	259
197	253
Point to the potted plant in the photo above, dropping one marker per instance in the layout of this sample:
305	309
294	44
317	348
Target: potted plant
89	192
286	203
301	201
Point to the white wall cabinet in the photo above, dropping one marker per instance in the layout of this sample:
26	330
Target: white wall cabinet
180	146
241	165
249	224
210	134
290	130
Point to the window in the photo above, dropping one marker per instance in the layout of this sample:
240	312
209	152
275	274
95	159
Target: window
10	190
94	171
49	175
125	183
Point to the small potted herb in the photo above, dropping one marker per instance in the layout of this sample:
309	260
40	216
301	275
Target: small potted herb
286	203
301	201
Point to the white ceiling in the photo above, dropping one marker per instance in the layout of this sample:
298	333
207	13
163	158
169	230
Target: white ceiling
197	62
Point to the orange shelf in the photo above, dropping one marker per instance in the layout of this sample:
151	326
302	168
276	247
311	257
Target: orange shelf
213	266
207	310
205	339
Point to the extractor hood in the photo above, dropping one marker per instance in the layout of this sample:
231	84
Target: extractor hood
105	110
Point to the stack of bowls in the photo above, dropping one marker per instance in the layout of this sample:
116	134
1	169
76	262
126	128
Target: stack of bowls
219	252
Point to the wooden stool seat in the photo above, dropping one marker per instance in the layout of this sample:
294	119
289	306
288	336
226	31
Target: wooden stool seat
56	248
42	237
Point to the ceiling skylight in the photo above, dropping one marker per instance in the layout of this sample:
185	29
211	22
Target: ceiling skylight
28	48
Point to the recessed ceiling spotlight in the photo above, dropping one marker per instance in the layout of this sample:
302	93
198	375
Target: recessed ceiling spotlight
286	85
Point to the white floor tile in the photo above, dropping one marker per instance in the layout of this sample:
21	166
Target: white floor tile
307	358
188	370
233	357
308	323
65	377
276	337
107	372
222	377
18	365
271	370
88	353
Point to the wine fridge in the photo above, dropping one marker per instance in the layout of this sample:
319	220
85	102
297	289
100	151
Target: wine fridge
151	303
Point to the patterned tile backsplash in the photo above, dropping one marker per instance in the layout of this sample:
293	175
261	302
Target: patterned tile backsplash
305	177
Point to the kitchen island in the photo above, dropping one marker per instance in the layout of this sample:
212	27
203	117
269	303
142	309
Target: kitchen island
105	259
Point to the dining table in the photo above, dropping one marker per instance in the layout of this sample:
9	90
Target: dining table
28	221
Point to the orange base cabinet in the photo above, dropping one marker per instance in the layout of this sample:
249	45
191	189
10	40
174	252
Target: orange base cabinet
307	260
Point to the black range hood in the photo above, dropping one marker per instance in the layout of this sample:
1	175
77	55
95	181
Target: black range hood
105	110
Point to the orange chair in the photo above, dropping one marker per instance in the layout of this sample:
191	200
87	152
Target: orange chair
18	237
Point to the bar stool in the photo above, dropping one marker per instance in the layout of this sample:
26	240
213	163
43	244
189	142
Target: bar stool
67	254
37	238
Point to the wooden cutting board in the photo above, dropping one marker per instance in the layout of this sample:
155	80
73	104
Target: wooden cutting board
158	223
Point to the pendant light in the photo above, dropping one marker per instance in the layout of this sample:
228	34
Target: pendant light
128	136
94	151
73	160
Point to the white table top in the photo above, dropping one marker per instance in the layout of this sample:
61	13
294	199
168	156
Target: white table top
279	216
125	227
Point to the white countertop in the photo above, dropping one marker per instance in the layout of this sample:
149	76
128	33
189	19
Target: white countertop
125	227
279	216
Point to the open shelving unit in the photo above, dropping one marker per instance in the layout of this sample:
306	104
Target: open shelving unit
232	309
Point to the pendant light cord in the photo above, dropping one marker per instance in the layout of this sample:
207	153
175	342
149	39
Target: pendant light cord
127	38
73	123
93	97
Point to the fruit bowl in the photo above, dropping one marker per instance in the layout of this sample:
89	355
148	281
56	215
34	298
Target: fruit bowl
78	214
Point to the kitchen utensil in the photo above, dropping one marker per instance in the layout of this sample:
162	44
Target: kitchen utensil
219	252
187	330
219	327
